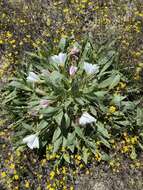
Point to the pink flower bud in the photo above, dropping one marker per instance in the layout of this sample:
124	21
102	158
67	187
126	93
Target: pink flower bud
44	103
72	70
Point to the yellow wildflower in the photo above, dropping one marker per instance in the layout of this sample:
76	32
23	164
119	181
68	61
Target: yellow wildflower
27	184
1	41
12	41
9	35
64	170
133	140
52	174
141	65
123	85
16	177
112	109
125	149
12	166
3	174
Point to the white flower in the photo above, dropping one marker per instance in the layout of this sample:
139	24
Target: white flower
32	77
86	118
90	69
59	59
32	141
72	70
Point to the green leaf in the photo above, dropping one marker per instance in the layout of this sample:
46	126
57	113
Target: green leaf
71	138
67	120
62	44
49	110
35	55
42	125
27	126
72	148
56	134
59	118
115	81
57	144
106	82
79	101
10	97
117	99
105	157
19	85
112	81
100	94
108	63
66	157
93	111
56	77
140	145
64	141
86	49
102	130
85	155
79	132
128	105
139	116
133	154
91	145
124	123
104	141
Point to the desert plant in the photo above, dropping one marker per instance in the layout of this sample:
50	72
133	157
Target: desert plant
71	99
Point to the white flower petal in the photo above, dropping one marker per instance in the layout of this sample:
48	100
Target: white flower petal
32	141
32	77
86	118
90	69
28	138
59	59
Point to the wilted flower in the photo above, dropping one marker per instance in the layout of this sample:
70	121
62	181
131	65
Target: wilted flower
32	77
59	59
45	72
86	118
90	69
33	112
74	51
44	103
32	141
72	70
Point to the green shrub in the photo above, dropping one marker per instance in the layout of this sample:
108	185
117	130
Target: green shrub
75	99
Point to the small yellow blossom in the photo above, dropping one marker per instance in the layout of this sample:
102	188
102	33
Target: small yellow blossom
125	149
140	65
52	174
12	166
12	41
123	85
112	109
133	140
1	42
78	157
27	184
16	177
3	174
9	35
